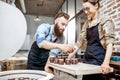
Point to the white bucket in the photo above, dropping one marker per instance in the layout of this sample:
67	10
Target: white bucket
30	74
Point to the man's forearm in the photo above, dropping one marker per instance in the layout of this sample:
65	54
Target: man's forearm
50	45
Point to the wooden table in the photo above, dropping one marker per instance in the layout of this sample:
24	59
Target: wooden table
74	72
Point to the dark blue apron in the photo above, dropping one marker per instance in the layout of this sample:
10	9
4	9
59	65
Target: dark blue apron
95	52
37	57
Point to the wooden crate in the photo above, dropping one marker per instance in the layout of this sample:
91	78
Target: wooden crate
15	63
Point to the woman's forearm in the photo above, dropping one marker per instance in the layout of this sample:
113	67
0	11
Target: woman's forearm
108	53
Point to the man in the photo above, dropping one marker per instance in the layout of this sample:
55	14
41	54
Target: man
49	39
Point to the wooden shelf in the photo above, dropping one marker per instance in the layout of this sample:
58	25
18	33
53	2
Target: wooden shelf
115	63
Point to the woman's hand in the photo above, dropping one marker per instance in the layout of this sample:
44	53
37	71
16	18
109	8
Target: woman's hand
105	68
71	55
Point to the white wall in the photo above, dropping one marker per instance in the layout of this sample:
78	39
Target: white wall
78	5
64	9
32	27
71	28
70	32
69	7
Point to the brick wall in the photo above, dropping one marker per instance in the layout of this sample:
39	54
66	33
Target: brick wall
111	8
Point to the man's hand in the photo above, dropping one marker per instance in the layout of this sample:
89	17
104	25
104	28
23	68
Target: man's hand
47	69
105	68
66	48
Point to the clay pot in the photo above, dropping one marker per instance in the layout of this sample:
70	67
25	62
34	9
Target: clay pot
56	61
61	61
52	59
12	79
59	56
22	78
67	61
74	60
62	55
79	59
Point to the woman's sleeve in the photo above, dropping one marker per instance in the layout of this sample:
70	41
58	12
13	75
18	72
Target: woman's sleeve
109	32
82	37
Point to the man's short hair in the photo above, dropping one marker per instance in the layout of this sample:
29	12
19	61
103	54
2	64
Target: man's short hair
62	14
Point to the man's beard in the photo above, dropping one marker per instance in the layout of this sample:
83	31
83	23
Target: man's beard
57	31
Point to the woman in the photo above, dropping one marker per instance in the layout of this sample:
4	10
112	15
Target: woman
98	32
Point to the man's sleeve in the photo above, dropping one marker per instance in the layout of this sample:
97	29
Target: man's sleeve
41	33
